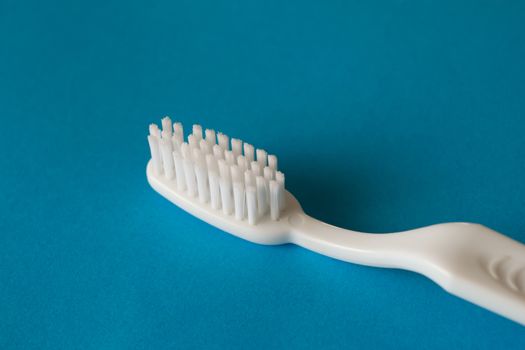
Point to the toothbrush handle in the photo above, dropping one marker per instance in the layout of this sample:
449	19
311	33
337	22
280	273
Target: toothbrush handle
468	260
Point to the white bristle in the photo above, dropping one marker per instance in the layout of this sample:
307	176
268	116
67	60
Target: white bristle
249	179
193	141
218	152
195	153
236	173
205	147
185	151
236	147
230	157
154	130
274	200
224	169
155	154
256	168
215	193
179	171
238	200
279	177
202	181
241	162
198	156
262	196
166	149
272	162
231	175
261	157
176	140
210	137
165	134
189	175
251	204
197	131
224	141
267	192
166	126
226	195
178	128
211	163
268	173
248	152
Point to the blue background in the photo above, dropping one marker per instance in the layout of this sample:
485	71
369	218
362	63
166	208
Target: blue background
386	115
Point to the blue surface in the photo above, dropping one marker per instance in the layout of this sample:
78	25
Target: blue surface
385	115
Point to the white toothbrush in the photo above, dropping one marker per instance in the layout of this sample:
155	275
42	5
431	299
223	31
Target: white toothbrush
238	189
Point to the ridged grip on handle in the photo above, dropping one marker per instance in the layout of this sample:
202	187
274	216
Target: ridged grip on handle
490	272
468	260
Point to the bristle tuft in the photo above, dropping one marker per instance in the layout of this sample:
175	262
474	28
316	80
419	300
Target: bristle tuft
251	204
154	130
166	150
189	175
268	173
274	200
166	126
153	141
262	197
261	157
202	179
248	152
179	171
238	199
197	131
241	162
218	152
223	141
272	162
229	157
256	168
178	129
224	169
186	151
210	137
236	174
215	193
279	177
236	147
204	147
193	141
226	195
224	173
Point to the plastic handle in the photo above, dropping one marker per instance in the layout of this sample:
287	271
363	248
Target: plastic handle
468	260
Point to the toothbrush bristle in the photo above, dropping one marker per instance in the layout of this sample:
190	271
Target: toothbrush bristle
227	174
197	131
178	129
261	157
272	162
166	126
236	147
223	141
248	152
154	130
210	136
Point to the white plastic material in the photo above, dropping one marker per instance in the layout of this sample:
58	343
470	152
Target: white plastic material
468	260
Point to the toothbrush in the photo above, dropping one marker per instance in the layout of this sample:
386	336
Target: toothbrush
240	190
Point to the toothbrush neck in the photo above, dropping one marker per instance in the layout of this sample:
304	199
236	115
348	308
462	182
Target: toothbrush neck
398	250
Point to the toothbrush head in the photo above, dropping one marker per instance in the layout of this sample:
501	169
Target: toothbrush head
227	183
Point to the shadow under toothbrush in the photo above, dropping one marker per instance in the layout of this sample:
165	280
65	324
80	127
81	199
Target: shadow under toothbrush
339	198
